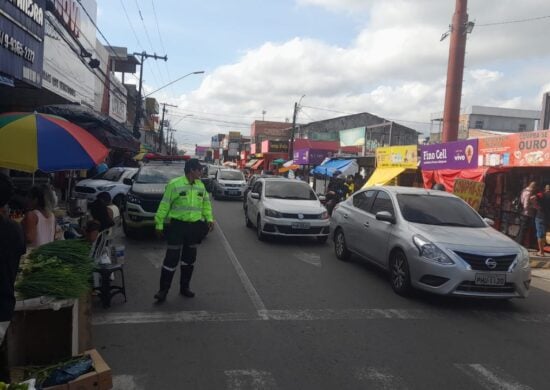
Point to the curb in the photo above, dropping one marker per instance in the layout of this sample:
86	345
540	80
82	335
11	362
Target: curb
538	263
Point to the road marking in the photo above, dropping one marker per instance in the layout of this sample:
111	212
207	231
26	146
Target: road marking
248	286
311	315
381	378
309	258
250	380
156	259
125	382
167	317
491	378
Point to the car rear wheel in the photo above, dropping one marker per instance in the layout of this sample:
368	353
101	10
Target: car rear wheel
340	247
259	233
400	278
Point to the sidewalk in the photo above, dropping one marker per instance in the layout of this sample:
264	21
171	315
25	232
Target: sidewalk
541	273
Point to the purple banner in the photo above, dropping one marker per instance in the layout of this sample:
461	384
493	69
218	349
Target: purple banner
451	155
311	156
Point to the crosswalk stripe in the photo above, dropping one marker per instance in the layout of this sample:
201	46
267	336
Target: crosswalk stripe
250	380
313	315
491	377
380	378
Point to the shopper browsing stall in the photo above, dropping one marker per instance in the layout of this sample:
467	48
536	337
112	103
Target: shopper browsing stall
12	247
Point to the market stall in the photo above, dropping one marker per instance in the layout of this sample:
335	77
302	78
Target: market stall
395	165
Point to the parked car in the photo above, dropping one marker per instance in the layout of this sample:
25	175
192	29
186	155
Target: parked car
250	184
111	181
208	174
228	183
432	241
285	207
145	194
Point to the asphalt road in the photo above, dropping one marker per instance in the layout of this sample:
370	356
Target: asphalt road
286	314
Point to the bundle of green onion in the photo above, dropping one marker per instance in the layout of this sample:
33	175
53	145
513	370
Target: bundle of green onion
61	269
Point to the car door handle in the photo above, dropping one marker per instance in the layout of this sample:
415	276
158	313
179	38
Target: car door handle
345	216
366	224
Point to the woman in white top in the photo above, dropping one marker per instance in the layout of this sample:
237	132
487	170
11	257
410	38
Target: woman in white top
39	223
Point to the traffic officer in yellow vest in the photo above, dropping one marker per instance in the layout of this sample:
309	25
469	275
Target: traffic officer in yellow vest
187	205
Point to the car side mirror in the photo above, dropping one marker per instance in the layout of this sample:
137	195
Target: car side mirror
385	216
322	198
254	195
489	221
128	181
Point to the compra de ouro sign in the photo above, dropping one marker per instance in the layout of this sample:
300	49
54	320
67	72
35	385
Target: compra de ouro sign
22	39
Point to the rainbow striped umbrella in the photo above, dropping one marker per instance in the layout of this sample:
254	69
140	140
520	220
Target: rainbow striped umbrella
32	141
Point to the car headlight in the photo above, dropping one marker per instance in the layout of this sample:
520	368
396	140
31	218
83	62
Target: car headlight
273	213
524	258
324	215
106	188
429	251
131	198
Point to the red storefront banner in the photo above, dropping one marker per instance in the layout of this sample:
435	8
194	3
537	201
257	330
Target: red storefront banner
529	149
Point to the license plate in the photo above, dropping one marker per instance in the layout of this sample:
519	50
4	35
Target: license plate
300	225
490	279
233	192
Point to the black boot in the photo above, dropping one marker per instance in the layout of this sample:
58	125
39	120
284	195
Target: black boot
166	277
186	272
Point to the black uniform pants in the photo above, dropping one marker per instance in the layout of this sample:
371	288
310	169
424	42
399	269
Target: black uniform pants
182	241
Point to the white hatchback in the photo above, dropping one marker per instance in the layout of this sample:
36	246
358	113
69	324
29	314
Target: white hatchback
285	207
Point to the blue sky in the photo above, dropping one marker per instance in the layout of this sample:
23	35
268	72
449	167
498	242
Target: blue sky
349	56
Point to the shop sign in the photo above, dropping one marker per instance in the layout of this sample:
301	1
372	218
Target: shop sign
352	137
274	146
404	156
234	136
450	155
22	40
65	72
529	149
470	191
311	156
68	14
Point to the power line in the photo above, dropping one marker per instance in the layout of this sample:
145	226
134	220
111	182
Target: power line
131	25
161	43
513	21
97	28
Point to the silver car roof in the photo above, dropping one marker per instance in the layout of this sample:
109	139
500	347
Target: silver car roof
410	191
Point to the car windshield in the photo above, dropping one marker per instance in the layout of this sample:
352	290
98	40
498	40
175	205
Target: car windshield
438	210
159	173
289	190
231	175
110	175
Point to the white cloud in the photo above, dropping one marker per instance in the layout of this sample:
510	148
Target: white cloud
395	67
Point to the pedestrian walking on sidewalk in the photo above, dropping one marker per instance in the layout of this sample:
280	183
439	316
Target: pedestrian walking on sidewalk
187	205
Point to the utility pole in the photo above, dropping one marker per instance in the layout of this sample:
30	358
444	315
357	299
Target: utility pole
161	134
291	146
143	55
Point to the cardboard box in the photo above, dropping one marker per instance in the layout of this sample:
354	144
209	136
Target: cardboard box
99	379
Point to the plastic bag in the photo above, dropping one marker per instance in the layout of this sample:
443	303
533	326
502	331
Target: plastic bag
68	372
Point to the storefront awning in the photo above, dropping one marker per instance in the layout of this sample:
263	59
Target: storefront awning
250	163
447	177
382	176
258	164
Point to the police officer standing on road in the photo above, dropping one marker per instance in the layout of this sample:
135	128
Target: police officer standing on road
187	204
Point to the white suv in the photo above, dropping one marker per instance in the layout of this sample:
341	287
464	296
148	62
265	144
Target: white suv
110	181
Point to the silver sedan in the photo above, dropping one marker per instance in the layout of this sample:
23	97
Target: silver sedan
430	240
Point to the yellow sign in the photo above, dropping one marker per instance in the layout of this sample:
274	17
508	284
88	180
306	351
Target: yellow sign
405	156
470	191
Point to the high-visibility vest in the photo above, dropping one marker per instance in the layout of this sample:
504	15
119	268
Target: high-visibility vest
185	202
